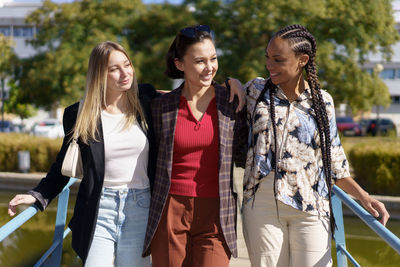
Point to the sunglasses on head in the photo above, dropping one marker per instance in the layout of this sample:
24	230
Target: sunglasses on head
191	31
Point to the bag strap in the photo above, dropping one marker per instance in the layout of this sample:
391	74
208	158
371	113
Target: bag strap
77	115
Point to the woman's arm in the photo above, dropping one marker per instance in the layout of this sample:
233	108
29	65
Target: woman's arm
375	207
50	186
236	89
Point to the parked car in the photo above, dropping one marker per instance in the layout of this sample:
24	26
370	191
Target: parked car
386	126
364	125
348	127
7	127
50	128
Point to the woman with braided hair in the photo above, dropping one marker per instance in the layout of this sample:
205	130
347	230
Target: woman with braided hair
294	158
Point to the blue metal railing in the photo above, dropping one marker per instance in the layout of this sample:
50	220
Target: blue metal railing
340	196
337	198
59	234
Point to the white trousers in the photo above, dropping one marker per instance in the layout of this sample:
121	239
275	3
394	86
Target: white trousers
295	238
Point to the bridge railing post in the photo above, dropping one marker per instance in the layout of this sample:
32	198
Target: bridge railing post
340	241
53	256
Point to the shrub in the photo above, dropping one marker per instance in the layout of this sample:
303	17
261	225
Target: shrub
376	164
375	161
43	151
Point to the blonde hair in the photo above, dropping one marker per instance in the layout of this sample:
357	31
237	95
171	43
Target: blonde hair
95	94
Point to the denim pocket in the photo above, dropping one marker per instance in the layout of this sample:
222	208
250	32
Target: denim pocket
144	200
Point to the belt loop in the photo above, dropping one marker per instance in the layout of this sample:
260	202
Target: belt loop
134	194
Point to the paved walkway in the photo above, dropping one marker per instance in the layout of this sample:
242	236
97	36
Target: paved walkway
243	258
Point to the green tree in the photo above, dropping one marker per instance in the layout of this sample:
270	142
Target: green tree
346	31
150	36
68	32
7	58
8	62
16	106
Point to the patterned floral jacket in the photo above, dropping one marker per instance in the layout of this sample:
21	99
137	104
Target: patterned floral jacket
301	180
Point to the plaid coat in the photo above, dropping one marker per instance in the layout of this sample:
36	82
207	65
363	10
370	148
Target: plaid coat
233	133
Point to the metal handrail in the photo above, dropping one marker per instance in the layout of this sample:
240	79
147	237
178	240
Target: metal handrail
15	223
59	234
340	196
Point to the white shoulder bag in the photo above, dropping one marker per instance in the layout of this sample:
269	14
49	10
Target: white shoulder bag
72	164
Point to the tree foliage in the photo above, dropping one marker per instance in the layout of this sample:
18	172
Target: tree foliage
15	105
150	36
346	32
8	62
68	33
6	55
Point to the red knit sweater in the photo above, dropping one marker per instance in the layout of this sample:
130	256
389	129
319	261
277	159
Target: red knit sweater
196	153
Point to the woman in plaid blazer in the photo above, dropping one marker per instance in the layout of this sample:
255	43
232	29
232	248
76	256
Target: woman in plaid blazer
199	136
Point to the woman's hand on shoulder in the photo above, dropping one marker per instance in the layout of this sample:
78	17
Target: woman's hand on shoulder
237	89
18	200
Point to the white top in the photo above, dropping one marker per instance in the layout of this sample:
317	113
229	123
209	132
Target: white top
126	153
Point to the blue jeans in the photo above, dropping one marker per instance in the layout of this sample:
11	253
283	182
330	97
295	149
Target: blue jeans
120	229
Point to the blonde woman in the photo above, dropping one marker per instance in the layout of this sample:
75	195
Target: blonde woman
110	216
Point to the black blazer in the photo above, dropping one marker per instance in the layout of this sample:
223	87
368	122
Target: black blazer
84	219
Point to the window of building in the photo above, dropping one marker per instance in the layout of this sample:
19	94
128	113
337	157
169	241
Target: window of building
395	99
23	31
5	30
387	74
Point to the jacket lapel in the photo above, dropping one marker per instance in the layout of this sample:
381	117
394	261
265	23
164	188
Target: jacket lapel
169	117
97	149
224	115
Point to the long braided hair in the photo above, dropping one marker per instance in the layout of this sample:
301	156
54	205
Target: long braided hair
303	42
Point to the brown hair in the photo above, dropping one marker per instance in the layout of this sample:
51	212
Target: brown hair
180	45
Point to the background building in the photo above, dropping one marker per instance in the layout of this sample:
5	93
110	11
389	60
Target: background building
12	23
390	73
